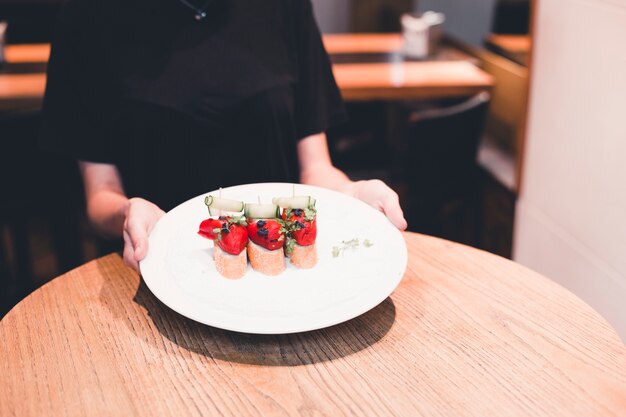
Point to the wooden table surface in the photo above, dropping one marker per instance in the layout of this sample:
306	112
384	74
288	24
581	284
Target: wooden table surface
26	53
450	74
465	333
511	43
426	80
353	43
515	47
366	80
21	89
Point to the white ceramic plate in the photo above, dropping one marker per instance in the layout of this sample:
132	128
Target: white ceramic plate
180	271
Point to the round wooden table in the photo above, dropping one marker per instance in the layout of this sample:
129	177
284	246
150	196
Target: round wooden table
466	333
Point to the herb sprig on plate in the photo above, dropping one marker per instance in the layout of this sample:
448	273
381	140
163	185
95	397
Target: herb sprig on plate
350	244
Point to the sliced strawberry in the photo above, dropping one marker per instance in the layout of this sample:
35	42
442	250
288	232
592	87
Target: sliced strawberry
230	233
208	228
302	225
266	233
233	238
307	234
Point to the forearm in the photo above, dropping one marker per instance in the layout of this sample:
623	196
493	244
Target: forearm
107	210
316	167
107	203
328	176
112	214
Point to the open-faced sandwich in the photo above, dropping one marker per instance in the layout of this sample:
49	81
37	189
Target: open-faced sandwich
266	238
230	234
300	217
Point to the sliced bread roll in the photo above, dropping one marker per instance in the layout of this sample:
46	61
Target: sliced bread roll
268	262
304	257
230	266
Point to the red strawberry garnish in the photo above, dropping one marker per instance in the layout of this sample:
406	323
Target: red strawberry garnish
302	224
233	238
208	228
306	236
266	233
230	233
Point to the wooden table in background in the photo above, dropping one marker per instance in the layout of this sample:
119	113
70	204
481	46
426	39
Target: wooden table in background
450	74
515	47
513	43
24	86
354	43
427	80
20	54
465	333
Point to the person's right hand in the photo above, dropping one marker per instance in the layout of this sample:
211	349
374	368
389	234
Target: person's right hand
141	216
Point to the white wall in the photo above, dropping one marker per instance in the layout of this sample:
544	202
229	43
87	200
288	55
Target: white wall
571	217
467	20
332	15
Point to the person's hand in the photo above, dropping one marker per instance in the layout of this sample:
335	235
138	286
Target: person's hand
141	216
378	195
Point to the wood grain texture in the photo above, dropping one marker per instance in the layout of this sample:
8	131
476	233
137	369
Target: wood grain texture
410	80
466	333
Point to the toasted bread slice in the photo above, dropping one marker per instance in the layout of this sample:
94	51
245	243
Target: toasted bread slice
268	262
230	266
304	257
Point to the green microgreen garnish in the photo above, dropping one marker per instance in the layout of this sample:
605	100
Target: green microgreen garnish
349	244
240	220
283	226
225	229
310	213
287	227
289	244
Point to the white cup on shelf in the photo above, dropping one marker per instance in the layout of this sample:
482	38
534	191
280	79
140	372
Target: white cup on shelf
421	33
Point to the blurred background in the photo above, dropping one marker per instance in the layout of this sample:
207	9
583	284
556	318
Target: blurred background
500	126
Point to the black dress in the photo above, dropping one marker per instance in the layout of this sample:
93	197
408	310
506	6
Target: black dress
181	106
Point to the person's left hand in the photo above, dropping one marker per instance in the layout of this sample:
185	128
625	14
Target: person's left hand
378	195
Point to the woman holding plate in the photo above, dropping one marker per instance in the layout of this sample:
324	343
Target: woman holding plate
161	100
